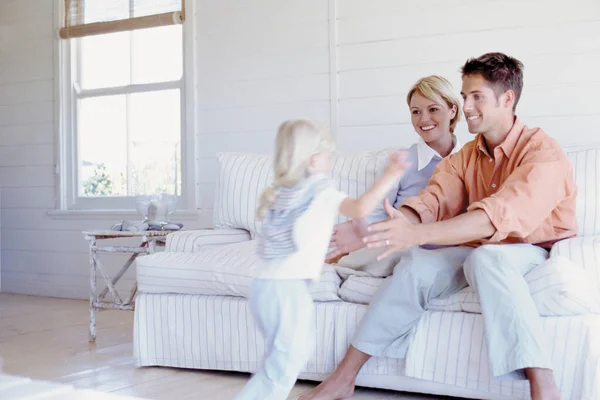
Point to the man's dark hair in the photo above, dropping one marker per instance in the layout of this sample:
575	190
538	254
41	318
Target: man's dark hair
500	71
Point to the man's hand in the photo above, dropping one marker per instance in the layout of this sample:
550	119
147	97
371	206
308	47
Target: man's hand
396	234
347	237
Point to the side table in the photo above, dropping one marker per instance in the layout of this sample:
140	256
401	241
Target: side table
148	242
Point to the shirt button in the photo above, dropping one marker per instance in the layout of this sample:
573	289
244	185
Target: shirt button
493	185
491	160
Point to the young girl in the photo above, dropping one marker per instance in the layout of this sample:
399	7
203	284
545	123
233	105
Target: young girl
299	211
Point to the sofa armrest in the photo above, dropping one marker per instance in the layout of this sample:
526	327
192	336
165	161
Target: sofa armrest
582	250
193	241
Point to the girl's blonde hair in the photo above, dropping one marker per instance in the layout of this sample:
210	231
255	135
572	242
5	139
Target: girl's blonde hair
435	88
297	141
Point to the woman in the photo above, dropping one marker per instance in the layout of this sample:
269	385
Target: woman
434	110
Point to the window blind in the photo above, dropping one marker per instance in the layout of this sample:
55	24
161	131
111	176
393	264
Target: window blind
95	17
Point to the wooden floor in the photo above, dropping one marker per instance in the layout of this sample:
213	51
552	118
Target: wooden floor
46	338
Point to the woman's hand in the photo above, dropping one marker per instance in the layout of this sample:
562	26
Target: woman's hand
347	237
396	234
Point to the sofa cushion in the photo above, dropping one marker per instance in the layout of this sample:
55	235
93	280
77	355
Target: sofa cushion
583	251
195	240
361	289
586	168
219	270
242	177
558	288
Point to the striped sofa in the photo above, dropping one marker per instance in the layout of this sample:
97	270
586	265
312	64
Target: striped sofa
191	310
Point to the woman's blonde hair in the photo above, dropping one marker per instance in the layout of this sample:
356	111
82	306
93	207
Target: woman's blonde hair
297	141
435	88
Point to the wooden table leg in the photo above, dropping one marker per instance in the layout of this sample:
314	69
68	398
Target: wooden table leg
118	276
148	246
151	243
133	293
111	288
121	272
92	336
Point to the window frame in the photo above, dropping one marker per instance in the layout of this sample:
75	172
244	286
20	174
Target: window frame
66	97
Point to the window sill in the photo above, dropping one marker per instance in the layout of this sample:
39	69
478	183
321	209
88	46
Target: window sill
177	216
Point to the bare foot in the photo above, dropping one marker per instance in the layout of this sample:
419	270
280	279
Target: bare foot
332	388
340	384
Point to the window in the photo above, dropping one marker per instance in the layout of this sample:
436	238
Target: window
122	113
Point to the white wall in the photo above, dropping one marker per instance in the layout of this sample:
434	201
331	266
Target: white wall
346	62
385	45
264	61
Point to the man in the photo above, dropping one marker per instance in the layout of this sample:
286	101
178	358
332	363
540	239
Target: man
505	198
